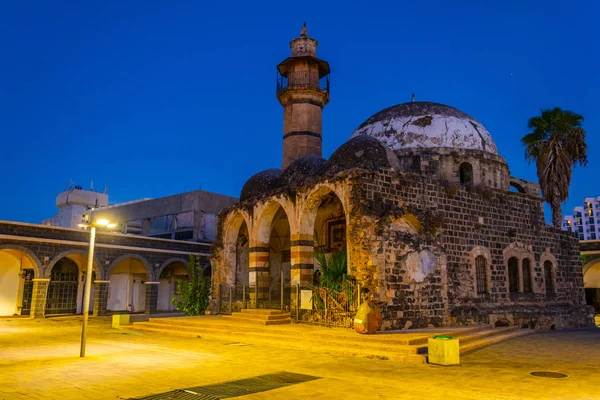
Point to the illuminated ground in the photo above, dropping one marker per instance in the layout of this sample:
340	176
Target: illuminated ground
39	360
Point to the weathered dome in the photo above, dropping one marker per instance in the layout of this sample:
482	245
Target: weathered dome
260	183
425	124
303	168
361	152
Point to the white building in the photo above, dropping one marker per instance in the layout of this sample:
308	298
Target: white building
583	219
73	204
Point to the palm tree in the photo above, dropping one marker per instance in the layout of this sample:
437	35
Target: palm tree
557	144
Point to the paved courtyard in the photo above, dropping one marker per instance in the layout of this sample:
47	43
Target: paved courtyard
39	360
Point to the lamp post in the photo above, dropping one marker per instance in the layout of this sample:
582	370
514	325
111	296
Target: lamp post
103	223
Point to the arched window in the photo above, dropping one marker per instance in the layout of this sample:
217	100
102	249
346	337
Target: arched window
527	276
466	174
548	277
513	275
481	274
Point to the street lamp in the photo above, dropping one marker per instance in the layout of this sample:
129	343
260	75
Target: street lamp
101	223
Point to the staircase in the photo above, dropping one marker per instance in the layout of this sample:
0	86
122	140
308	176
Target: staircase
273	328
260	317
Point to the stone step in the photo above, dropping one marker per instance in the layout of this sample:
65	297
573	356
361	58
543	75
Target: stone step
269	320
480	335
478	344
407	354
233	327
358	342
257	317
263	311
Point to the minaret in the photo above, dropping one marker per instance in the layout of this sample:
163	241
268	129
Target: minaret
303	91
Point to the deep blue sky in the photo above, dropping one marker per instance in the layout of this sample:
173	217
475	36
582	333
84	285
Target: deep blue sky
157	98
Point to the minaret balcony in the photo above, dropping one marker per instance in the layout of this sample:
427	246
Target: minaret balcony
302	80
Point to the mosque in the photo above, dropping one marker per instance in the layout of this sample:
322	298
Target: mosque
432	222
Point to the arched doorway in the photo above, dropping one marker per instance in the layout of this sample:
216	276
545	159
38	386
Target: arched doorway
279	261
170	276
323	229
242	256
67	284
127	289
63	288
17	270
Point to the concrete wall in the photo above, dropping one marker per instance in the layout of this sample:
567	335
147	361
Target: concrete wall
198	200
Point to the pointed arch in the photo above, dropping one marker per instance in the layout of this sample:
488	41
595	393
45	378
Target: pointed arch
81	262
35	261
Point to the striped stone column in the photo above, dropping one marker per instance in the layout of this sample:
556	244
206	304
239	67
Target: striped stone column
302	259
258	267
38	297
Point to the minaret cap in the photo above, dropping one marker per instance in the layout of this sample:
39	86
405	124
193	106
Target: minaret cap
304	31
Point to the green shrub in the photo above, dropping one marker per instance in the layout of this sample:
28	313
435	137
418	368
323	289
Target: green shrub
194	294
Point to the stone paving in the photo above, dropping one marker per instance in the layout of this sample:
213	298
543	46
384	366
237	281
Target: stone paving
40	360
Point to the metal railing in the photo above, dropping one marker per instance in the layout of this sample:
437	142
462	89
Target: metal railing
302	79
323	306
234	298
308	304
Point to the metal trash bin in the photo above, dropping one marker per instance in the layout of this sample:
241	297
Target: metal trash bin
443	350
120	319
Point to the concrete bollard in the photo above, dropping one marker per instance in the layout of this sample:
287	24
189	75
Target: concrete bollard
443	350
120	319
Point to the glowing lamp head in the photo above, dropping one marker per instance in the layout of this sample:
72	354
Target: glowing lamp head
102	222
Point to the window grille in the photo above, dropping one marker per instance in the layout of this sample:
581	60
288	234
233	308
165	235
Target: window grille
481	274
513	275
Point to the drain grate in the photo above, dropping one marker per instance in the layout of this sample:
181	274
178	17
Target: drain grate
548	374
179	395
237	388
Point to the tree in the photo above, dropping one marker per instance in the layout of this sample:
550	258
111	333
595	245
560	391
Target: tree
556	144
195	294
333	269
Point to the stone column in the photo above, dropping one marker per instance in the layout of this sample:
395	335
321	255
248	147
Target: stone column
100	297
151	297
38	298
258	267
302	260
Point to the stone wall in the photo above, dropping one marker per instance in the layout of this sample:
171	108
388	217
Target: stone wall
453	224
489	170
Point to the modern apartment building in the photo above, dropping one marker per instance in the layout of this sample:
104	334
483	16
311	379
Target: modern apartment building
584	219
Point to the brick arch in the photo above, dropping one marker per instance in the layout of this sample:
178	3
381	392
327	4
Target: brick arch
35	261
265	213
548	256
520	252
96	265
231	229
312	201
134	256
233	223
166	264
481	251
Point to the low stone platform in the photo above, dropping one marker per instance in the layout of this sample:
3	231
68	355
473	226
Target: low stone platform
260	317
408	346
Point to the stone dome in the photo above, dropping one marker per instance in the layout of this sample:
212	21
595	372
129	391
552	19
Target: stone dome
303	168
363	152
423	124
261	183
